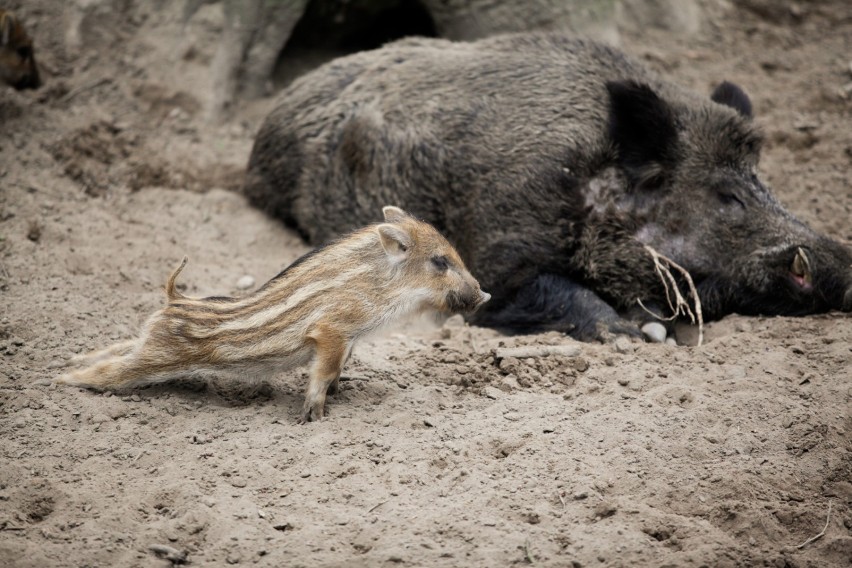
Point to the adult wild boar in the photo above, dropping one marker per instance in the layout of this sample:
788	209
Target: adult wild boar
550	162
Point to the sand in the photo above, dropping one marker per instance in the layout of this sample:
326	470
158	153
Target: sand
437	452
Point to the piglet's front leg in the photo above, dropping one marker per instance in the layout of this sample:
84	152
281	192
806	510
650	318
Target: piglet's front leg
331	349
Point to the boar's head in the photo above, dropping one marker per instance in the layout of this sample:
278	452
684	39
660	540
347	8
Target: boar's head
694	194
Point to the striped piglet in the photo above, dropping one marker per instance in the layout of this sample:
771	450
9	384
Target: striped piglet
316	309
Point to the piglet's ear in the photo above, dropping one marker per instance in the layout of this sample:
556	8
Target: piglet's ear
731	95
642	127
393	214
395	240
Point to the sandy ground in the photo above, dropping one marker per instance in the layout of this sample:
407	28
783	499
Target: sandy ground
437	452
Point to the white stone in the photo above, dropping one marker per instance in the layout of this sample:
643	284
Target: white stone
245	282
654	331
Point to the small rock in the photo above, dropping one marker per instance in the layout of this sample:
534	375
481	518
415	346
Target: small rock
171	554
654	331
787	422
238	482
100	418
492	393
671	341
623	345
581	494
209	501
117	413
579	364
34	231
805	123
605	509
510	382
623	381
245	282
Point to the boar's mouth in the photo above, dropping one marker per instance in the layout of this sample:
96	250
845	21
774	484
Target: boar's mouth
806	282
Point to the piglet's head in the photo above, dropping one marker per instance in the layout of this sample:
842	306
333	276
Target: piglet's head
428	264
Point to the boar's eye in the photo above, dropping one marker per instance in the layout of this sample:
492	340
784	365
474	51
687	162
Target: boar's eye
440	263
25	51
729	198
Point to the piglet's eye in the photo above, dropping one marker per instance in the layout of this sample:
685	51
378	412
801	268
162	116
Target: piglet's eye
25	52
440	263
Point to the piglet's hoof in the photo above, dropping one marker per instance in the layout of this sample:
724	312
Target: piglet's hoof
311	414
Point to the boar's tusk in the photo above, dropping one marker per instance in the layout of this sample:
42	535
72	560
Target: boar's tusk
801	266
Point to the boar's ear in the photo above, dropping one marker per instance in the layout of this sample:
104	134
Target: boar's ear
642	126
395	240
731	95
393	214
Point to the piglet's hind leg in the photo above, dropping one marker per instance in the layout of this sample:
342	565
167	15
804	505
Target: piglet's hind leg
128	370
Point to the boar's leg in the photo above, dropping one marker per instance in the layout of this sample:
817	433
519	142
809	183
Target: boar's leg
556	303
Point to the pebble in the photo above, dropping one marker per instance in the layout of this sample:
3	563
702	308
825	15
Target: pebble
100	418
582	494
605	509
624	381
245	282
492	393
623	345
173	555
116	413
238	482
654	331
787	422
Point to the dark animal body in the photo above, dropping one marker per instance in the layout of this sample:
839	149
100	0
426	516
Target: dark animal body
551	163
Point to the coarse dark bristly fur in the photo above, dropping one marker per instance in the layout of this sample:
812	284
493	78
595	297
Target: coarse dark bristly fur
551	163
315	309
18	67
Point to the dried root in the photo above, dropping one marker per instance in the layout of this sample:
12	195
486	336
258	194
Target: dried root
677	304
